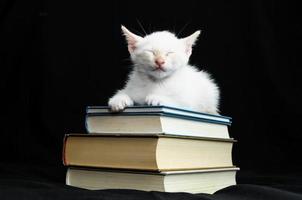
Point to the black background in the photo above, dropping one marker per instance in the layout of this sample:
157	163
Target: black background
57	57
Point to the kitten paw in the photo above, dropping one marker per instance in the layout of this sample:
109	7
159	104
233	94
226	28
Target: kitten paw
118	102
153	100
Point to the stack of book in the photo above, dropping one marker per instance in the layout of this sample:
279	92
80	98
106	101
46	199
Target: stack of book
151	148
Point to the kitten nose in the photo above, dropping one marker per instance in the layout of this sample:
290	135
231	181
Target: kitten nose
159	62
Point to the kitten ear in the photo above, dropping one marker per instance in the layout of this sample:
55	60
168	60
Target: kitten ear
131	38
190	41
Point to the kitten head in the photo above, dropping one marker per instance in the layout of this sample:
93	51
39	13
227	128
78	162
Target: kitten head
159	54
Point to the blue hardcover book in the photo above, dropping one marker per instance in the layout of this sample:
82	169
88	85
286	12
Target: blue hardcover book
156	120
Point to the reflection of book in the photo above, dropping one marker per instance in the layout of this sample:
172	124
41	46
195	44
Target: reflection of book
198	181
147	152
156	119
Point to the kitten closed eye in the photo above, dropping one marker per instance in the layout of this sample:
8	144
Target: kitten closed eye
150	51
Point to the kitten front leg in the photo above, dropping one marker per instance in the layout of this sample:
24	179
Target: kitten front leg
157	100
119	101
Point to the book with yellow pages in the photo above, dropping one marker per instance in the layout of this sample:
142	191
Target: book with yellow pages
146	152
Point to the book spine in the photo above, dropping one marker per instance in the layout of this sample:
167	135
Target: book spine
86	122
64	150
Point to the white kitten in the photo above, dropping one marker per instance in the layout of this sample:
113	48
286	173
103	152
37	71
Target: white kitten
162	75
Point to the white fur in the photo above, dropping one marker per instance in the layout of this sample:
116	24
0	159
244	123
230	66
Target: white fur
178	85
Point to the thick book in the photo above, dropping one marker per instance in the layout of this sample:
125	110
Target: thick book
196	181
146	152
156	119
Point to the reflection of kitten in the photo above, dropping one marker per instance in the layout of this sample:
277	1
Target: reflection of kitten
162	75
